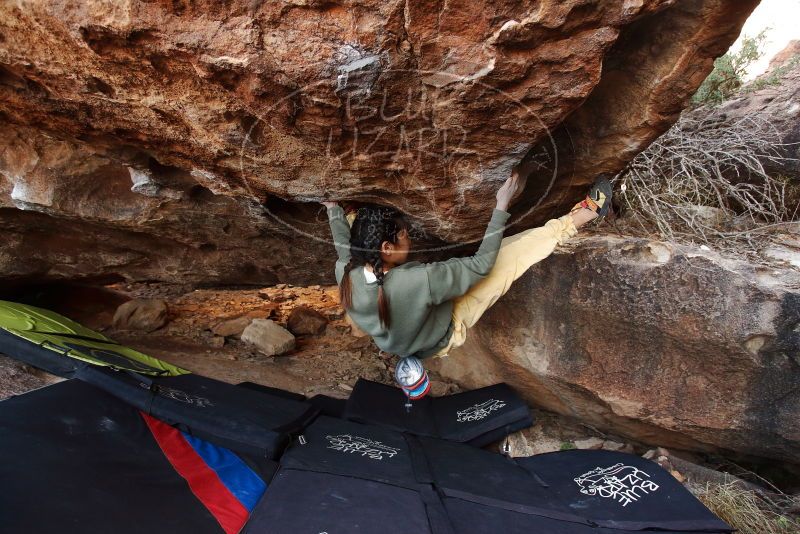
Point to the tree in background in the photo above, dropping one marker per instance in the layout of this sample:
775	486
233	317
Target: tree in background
727	78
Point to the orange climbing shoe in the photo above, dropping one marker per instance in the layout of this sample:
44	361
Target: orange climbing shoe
599	198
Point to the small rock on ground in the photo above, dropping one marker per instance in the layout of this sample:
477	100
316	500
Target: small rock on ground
609	445
232	327
141	314
589	443
268	337
306	321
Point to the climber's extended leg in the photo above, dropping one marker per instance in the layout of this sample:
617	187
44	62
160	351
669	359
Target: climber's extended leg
517	254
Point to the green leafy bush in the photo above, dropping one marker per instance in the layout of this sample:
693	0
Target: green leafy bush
727	78
774	77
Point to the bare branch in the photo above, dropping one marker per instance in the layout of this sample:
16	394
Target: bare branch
704	181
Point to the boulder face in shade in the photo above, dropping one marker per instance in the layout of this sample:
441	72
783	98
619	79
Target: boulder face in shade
185	144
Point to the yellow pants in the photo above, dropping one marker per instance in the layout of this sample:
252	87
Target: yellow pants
517	253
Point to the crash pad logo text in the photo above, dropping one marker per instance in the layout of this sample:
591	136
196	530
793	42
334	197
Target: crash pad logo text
368	448
182	396
479	411
622	483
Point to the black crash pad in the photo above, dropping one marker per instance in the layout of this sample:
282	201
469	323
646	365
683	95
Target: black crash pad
77	460
356	474
619	490
477	417
241	419
341	476
308	501
581	489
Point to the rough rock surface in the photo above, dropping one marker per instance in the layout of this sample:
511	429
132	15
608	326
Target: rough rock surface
232	327
659	343
141	314
589	444
269	337
17	378
183	142
304	321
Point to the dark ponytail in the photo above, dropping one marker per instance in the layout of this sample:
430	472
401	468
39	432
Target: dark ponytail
383	300
345	287
371	227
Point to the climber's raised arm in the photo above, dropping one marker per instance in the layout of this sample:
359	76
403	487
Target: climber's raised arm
452	278
340	231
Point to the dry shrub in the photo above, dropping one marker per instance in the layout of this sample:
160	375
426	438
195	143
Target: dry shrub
745	510
705	181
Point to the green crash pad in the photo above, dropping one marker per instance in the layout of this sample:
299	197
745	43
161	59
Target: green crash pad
65	337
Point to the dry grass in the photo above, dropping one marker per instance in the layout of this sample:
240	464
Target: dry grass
704	181
745	510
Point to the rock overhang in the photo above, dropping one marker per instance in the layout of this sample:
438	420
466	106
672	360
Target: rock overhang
241	117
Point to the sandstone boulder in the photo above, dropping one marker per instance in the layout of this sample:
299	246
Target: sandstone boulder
304	321
664	344
232	327
185	143
141	314
270	338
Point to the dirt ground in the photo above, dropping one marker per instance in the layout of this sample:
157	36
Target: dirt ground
327	363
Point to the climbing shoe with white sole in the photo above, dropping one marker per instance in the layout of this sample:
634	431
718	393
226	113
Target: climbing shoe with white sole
598	199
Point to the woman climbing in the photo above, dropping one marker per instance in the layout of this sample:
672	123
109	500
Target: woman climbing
419	310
